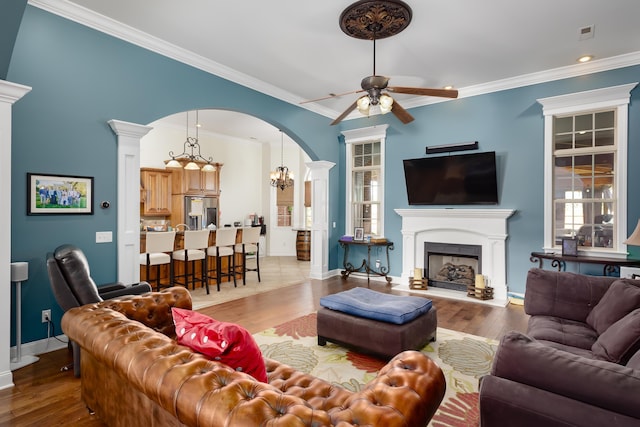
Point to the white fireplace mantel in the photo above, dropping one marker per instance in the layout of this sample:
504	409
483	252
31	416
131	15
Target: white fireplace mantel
484	227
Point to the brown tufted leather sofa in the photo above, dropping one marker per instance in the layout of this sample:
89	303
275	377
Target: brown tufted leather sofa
135	374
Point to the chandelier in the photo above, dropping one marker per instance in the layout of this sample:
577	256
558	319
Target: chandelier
191	154
281	177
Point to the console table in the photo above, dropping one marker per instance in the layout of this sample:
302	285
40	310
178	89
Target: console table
365	267
610	265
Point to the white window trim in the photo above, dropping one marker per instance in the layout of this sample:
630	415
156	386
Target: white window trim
615	97
356	136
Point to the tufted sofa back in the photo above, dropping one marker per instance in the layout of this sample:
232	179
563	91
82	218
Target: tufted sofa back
133	375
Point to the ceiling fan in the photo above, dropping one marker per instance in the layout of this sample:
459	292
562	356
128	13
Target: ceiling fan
371	20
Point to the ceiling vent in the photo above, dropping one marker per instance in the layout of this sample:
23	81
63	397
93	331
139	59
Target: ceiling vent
586	33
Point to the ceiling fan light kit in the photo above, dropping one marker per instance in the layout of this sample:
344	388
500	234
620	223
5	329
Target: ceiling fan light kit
374	20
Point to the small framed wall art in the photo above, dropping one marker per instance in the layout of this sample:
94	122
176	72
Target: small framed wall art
569	247
59	194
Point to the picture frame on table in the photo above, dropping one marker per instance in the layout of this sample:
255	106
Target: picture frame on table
569	246
59	194
358	234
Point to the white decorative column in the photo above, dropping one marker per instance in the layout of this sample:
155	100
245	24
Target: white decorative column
320	214
9	94
129	135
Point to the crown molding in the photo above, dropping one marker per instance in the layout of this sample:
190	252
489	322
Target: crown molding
91	19
11	92
109	26
621	61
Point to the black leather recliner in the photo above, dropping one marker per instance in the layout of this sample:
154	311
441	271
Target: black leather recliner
73	286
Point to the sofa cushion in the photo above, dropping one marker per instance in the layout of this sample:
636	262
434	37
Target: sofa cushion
562	331
563	294
620	341
363	302
570	349
620	299
225	342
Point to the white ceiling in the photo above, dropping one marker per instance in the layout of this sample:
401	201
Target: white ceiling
295	50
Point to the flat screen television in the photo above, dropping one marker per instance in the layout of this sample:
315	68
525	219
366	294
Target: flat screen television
465	179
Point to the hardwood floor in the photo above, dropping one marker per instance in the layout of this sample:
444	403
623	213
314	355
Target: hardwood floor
43	395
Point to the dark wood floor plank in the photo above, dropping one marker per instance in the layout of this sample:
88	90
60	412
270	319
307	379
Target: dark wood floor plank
43	395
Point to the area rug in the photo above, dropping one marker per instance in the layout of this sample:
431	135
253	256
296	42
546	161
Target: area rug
463	358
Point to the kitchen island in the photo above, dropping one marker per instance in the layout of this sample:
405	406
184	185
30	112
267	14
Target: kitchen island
179	266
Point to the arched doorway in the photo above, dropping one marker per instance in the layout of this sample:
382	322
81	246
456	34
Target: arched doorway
129	154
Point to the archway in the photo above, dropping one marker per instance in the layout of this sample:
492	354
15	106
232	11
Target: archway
128	213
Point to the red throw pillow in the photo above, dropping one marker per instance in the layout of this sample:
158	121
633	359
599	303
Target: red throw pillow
224	342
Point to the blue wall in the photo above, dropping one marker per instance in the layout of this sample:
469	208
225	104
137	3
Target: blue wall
511	123
82	78
10	18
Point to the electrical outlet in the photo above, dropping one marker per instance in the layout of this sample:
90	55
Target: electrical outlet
46	316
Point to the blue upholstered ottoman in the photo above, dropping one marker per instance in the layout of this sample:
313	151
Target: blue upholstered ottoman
375	322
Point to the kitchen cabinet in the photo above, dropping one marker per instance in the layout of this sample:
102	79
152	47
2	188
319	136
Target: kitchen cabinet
155	192
197	182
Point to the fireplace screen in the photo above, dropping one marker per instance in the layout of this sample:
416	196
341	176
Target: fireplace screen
452	266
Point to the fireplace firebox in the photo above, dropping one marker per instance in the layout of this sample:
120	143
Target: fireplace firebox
452	266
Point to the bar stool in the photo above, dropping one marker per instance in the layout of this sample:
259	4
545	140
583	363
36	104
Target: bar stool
250	244
195	247
225	241
159	251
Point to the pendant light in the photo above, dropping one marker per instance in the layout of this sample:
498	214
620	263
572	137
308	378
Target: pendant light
191	154
281	177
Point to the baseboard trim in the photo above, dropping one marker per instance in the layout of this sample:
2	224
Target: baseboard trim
46	345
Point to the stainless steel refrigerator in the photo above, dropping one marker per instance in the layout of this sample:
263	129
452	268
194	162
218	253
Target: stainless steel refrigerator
199	211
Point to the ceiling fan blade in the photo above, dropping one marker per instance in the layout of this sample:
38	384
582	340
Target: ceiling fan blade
332	96
444	93
345	113
402	114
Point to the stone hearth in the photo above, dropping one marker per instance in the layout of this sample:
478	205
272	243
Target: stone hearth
484	227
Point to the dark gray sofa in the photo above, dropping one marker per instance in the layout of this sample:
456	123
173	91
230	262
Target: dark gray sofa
578	364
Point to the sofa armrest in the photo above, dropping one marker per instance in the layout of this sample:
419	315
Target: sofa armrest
115	290
108	287
561	294
411	383
595	382
506	403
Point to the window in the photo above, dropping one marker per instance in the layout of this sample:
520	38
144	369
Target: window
365	179
284	202
585	169
584	197
284	216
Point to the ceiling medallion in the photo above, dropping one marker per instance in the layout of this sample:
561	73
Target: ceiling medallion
374	20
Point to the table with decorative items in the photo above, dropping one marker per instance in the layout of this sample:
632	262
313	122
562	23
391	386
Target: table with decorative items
611	266
378	269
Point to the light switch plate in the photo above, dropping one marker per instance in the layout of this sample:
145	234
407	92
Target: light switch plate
104	236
